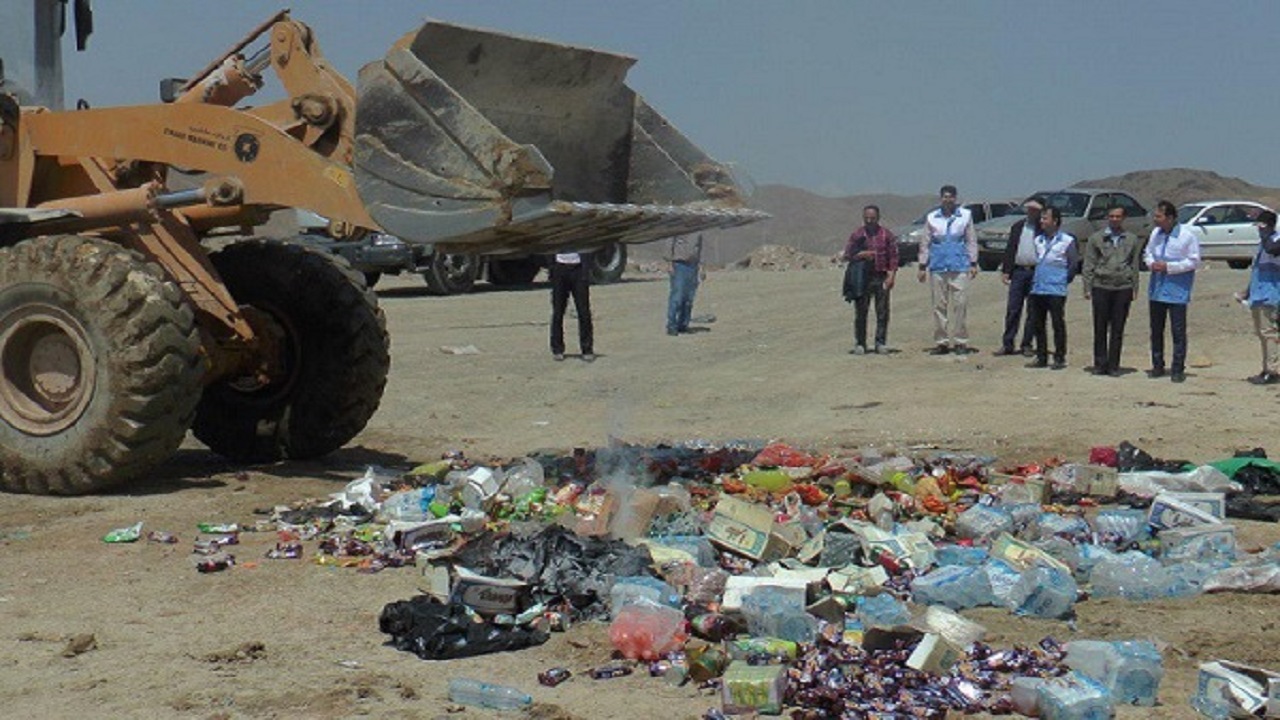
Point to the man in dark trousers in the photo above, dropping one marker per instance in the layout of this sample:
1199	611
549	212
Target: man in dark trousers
1017	271
1173	254
1112	258
569	277
875	245
1056	259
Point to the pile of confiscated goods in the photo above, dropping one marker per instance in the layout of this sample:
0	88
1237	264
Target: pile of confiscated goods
821	586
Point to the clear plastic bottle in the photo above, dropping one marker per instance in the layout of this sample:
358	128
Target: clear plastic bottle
466	691
411	505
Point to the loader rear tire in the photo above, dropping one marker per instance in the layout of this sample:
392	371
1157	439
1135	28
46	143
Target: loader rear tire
330	348
451	273
507	273
101	366
606	265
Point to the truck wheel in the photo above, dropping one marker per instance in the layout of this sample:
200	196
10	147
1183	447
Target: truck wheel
1239	264
987	265
101	366
506	273
451	273
326	365
607	264
371	279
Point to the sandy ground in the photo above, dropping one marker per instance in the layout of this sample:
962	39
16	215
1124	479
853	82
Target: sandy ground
774	364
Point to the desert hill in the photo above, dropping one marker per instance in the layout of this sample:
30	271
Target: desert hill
816	224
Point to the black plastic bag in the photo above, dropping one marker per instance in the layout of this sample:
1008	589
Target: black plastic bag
433	630
558	565
1133	459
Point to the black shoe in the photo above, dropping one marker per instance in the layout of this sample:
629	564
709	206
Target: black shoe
1039	363
964	350
1155	373
1178	376
1265	377
1059	364
558	357
672	332
1113	372
1028	351
1003	352
588	357
940	350
1097	370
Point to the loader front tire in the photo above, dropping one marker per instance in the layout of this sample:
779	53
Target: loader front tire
328	350
101	366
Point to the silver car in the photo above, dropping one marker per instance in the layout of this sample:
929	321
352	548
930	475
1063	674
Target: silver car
1226	229
1084	212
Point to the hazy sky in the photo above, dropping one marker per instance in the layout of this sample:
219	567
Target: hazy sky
1001	97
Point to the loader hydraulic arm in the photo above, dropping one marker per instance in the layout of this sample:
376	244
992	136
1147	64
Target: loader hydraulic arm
320	109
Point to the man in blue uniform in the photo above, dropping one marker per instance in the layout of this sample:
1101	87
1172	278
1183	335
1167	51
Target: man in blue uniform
949	256
1173	254
1263	297
1056	258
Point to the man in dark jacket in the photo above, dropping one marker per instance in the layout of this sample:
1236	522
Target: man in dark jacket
876	246
1112	258
1018	270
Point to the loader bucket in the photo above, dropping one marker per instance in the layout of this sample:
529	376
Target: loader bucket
481	142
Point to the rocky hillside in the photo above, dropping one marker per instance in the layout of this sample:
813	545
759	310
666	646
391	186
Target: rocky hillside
816	224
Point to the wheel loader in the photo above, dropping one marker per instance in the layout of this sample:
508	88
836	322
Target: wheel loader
135	307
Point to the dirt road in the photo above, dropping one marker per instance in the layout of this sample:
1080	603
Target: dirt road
774	364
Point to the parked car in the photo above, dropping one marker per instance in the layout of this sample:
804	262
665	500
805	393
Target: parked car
1226	229
909	235
1084	211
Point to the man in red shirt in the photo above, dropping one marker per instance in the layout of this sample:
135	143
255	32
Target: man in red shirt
878	248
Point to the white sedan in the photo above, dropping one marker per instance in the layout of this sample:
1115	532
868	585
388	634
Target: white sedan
1226	228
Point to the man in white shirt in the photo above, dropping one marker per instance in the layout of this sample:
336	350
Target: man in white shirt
949	255
569	277
1173	254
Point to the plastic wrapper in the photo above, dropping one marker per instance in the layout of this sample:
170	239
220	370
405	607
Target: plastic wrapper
645	630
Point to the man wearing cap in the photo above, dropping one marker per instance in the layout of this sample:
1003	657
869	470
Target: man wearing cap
1173	254
1017	270
1112	258
1263	297
949	255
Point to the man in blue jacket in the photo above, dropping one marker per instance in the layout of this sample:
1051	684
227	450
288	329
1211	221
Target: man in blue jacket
1173	254
1056	258
949	255
1263	297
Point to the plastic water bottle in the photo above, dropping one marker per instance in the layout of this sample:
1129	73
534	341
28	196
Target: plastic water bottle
1075	697
410	505
883	610
1131	670
1044	592
630	590
466	691
955	586
1003	577
981	522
